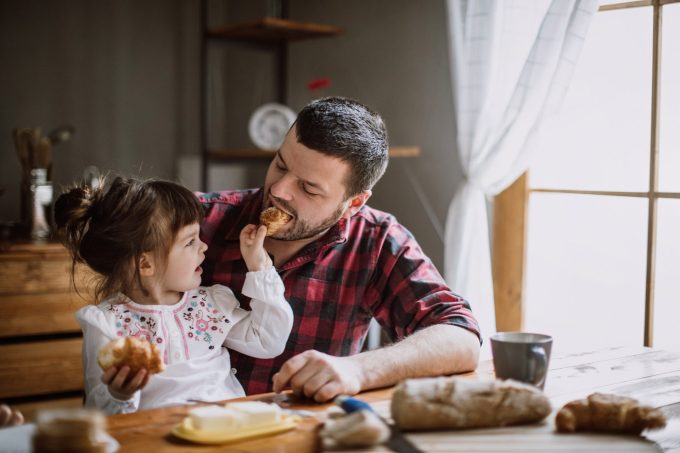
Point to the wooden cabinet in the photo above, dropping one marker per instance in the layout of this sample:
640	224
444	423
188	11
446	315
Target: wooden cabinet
40	339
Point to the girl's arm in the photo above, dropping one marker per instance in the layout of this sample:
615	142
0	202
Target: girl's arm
97	395
263	331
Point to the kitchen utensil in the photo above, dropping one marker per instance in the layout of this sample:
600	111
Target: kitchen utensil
20	136
43	153
397	441
33	139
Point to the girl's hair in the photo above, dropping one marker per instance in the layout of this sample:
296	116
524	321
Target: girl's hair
110	227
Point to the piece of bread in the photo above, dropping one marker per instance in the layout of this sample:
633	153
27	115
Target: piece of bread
133	352
361	428
609	413
274	218
460	403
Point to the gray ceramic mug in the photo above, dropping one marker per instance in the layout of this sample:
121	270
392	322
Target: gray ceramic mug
521	356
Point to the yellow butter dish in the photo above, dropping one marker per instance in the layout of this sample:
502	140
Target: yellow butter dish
234	422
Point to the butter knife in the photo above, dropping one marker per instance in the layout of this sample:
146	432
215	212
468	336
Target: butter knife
397	442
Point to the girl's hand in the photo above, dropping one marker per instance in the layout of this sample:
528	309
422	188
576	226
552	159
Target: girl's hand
9	416
252	248
122	388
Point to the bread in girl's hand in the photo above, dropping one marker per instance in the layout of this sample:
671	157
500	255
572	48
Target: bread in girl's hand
274	219
608	413
133	352
460	403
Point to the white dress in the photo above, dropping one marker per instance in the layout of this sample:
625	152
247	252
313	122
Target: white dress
190	336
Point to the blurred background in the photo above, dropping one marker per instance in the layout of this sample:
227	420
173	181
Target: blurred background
126	75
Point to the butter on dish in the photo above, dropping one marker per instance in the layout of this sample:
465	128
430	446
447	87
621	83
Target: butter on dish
236	421
249	414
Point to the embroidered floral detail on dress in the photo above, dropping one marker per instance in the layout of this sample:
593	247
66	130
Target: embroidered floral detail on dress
204	320
131	324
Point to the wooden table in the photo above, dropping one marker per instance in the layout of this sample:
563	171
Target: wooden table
652	376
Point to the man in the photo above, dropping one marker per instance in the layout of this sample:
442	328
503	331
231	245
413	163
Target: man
342	263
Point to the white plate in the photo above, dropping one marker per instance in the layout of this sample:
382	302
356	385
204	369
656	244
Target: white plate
269	125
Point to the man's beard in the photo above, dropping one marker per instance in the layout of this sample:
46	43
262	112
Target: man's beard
303	230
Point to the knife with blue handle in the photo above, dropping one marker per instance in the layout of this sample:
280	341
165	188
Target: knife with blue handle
397	441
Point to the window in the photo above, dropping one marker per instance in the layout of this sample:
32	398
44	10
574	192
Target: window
602	257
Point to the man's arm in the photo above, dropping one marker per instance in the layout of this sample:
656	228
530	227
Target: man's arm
432	351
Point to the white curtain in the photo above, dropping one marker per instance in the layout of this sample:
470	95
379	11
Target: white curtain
511	62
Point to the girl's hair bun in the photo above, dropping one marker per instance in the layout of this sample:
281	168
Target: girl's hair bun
73	211
73	208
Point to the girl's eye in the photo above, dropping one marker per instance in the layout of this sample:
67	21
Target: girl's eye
280	167
191	242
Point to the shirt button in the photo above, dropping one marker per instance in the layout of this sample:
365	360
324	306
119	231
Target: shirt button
233	371
177	355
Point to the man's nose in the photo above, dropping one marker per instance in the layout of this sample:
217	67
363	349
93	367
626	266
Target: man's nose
282	188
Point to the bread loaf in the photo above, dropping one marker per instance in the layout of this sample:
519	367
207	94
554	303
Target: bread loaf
459	403
133	352
609	413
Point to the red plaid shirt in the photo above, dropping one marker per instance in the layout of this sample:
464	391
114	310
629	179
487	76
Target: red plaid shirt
369	266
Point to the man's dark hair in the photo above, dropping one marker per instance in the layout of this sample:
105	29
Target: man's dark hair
350	131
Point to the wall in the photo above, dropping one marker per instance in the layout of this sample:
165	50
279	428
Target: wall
123	73
392	57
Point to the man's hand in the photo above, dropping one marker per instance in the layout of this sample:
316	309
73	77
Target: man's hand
252	248
319	376
122	388
433	351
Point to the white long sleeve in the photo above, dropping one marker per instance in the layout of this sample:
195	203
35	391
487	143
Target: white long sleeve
261	332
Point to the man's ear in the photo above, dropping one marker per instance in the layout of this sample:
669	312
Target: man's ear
357	202
147	265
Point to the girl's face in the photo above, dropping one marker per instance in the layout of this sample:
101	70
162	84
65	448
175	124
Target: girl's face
183	271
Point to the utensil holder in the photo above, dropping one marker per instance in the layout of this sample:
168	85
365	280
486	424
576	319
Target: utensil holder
36	202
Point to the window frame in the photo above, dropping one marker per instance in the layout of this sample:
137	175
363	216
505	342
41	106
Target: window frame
510	208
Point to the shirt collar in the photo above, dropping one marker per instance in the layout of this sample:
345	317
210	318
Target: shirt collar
337	234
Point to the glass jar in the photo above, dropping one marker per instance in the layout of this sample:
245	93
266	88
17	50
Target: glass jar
70	430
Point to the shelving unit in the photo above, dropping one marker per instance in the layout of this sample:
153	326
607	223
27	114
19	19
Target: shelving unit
273	30
234	154
267	34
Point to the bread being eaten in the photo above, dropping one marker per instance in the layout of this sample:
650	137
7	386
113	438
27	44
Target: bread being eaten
274	219
133	352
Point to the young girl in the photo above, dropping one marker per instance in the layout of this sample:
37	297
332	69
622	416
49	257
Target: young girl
142	238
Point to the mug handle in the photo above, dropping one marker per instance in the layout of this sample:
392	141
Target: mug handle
541	365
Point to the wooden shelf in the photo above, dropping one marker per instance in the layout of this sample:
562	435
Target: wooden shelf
405	151
258	154
273	30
